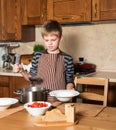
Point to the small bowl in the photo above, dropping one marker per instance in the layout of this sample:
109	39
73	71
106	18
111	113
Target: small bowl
6	103
36	111
64	95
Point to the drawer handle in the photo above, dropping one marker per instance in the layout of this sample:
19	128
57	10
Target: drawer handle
95	10
67	18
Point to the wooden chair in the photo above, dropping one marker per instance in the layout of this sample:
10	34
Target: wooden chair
92	82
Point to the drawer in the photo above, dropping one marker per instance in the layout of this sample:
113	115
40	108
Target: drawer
4	81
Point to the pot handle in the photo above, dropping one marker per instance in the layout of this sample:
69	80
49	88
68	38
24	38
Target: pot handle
18	92
45	94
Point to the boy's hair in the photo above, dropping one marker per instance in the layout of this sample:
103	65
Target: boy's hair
51	27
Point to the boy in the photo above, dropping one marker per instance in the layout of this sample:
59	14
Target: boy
53	66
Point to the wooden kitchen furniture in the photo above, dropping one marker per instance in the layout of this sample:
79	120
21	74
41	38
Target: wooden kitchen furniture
4	86
111	75
34	12
70	11
19	17
66	11
103	10
10	23
8	84
11	28
104	120
93	82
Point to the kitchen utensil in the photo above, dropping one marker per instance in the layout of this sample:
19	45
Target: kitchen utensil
38	110
33	93
35	80
82	67
64	95
56	118
26	59
6	103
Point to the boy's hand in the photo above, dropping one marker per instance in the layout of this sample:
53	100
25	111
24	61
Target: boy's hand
70	86
17	68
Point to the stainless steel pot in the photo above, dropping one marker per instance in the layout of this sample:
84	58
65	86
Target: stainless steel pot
33	93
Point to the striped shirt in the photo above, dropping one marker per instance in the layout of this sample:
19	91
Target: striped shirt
65	63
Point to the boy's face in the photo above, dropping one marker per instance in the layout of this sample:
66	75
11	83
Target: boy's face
51	42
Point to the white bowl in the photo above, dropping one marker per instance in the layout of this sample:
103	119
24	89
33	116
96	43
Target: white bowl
35	111
64	95
6	103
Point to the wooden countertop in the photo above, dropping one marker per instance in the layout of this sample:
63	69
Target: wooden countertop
104	120
101	74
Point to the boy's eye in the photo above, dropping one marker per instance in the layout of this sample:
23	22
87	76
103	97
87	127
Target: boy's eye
46	40
53	40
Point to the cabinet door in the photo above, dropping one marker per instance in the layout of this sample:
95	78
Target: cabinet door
10	20
17	83
103	10
66	11
4	86
0	22
33	11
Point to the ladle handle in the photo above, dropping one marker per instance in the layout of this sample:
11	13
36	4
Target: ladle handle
35	81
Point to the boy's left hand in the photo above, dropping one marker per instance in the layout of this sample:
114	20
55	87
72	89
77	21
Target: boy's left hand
70	86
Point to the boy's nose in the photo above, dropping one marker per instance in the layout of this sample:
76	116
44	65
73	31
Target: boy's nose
50	42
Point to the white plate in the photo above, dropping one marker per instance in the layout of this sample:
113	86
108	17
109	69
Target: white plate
64	93
7	101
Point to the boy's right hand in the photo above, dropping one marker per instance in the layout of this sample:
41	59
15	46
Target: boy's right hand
17	68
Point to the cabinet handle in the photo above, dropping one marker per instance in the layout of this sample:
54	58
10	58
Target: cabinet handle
42	15
95	10
67	18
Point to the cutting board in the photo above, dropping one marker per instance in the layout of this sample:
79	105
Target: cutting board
57	123
26	59
56	118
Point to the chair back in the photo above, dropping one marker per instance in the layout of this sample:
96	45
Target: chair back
92	82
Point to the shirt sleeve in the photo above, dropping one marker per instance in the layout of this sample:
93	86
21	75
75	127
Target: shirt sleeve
34	63
69	69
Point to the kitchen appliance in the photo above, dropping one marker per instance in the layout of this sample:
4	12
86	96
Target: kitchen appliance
82	67
8	58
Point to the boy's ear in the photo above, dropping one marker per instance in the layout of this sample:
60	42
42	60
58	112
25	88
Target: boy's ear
61	38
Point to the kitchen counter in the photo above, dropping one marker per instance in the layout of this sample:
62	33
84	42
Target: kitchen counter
104	74
8	73
100	74
104	120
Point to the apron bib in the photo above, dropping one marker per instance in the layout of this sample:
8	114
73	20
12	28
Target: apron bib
51	70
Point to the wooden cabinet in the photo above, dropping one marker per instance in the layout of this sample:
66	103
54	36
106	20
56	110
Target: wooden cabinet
103	10
33	12
66	11
10	23
4	86
17	83
10	83
10	20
